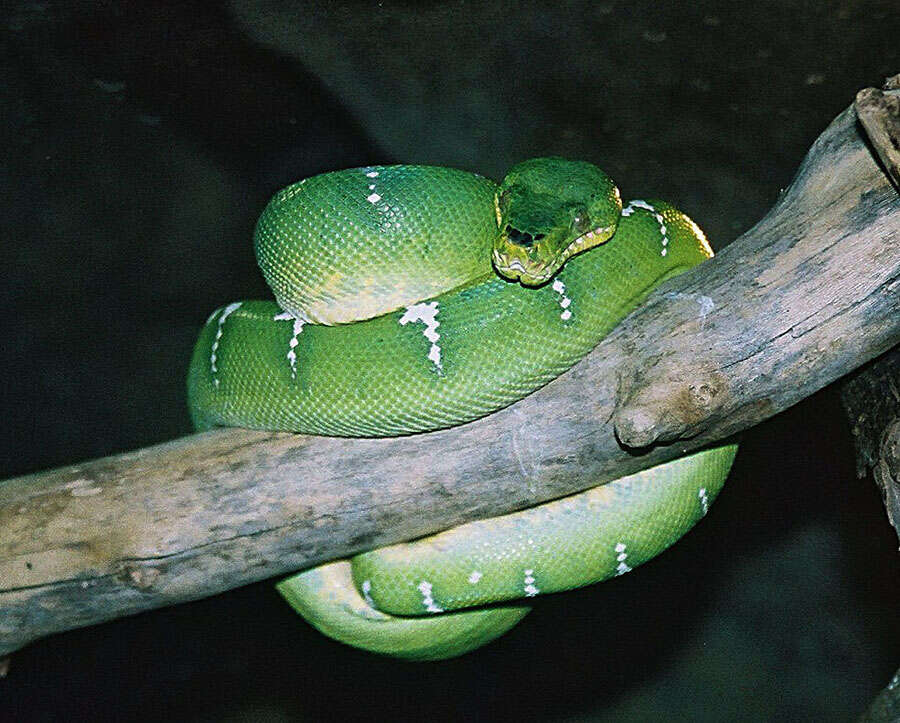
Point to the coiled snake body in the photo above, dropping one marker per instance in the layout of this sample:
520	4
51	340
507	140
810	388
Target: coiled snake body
413	298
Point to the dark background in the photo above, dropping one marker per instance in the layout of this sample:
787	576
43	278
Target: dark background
141	141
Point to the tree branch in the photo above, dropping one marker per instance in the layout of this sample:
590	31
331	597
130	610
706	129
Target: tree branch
807	295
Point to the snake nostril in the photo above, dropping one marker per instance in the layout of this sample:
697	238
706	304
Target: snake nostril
522	238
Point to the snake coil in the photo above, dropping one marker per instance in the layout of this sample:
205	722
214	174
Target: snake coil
414	298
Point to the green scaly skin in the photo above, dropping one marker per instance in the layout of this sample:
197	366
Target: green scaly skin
413	253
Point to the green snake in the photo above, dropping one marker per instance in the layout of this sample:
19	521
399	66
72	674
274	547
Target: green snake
413	298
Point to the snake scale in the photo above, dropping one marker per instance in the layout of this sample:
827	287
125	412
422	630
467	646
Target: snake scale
413	298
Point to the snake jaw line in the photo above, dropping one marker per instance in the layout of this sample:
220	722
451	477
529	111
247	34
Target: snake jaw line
512	265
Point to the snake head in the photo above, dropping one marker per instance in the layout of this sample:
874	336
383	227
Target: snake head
548	210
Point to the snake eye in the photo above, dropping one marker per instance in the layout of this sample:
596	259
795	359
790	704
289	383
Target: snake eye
522	238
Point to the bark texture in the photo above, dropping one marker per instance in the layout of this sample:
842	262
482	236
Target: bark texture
806	296
879	113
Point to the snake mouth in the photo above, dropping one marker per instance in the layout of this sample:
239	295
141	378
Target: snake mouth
525	256
526	272
515	265
512	257
588	240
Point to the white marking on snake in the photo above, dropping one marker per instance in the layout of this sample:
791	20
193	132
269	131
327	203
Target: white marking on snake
427	314
372	174
621	556
704	500
564	301
638	203
226	312
366	589
373	198
424	587
474	577
530	589
292	344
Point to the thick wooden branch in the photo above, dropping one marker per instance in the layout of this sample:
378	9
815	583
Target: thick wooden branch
799	300
804	297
